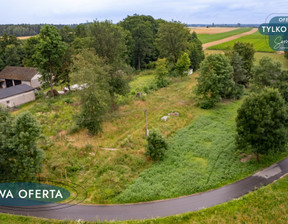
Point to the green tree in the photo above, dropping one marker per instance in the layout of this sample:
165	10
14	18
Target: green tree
81	30
266	73
109	41
195	51
141	45
262	123
182	65
118	85
161	73
239	71
11	56
20	156
91	73
282	84
172	40
11	51
30	49
246	51
157	145
286	54
215	80
67	34
49	54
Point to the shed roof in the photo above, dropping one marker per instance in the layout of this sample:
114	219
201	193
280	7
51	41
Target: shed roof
18	73
15	90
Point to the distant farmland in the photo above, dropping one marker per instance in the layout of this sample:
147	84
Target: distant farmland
211	30
206	38
259	41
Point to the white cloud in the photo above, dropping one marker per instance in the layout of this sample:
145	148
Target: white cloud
194	11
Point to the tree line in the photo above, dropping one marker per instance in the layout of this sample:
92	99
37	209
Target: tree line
20	30
99	57
262	120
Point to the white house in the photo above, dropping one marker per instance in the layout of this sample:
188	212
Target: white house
16	95
12	76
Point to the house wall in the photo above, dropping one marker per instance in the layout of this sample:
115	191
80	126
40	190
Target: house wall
18	99
2	83
27	83
35	81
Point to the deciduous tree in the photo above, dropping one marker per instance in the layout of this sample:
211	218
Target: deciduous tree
156	145
266	73
172	40
182	65
195	51
143	30
20	155
262	123
109	41
215	80
246	51
91	73
49	54
161	73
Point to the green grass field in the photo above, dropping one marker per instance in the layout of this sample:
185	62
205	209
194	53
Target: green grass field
259	41
206	38
258	55
201	156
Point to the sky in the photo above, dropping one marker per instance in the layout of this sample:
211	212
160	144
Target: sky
189	11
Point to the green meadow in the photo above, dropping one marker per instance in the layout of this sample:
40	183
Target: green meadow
206	38
259	41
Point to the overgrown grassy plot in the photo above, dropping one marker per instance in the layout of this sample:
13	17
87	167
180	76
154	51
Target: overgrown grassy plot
84	159
259	41
206	38
201	156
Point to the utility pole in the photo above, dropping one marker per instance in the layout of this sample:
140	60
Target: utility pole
146	123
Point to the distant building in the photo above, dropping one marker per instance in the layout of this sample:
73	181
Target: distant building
16	95
12	76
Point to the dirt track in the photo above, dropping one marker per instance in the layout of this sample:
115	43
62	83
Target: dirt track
210	44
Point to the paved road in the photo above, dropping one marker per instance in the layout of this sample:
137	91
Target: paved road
160	208
210	44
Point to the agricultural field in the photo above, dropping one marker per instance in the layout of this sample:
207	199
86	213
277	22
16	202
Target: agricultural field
206	38
211	30
258	55
259	41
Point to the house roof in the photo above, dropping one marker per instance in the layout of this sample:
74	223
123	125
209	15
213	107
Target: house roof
18	73
15	90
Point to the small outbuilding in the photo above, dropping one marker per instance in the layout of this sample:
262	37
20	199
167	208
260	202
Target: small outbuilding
16	95
12	76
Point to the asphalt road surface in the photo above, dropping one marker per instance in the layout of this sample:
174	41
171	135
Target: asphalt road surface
157	208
